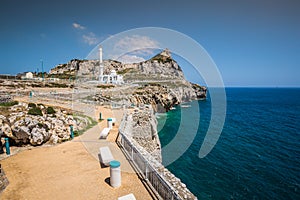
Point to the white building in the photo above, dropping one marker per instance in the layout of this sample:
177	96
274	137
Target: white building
29	75
113	77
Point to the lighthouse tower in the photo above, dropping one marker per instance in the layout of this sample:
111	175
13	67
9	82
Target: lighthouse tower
101	67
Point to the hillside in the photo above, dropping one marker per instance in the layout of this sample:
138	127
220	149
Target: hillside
158	81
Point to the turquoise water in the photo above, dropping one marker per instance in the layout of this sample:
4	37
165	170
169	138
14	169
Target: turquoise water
258	153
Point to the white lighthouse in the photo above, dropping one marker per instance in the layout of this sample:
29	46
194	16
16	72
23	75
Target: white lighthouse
112	78
100	65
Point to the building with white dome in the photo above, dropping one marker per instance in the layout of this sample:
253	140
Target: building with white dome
112	78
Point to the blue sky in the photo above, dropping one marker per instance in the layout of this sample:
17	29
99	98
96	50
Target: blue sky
253	43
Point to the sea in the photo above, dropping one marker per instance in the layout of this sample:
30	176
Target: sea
257	155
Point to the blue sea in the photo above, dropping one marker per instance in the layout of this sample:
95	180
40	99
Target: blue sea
258	153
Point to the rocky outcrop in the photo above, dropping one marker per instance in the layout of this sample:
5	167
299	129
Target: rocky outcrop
163	98
159	97
162	64
85	67
141	127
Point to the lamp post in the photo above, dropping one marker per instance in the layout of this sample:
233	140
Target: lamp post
42	69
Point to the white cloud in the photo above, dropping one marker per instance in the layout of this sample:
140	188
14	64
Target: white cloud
130	59
43	35
90	38
78	26
141	45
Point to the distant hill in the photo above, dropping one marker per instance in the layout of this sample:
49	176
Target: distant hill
158	81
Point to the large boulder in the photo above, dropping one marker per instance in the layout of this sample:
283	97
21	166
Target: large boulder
21	133
39	136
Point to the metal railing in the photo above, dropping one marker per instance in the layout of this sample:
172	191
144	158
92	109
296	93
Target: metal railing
144	167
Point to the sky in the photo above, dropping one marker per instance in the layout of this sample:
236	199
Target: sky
253	43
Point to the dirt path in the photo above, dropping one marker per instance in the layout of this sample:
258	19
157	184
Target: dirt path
70	170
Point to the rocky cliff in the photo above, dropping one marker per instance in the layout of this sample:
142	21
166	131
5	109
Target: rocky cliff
141	127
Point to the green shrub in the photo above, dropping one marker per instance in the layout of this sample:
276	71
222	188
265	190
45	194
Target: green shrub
50	110
41	125
124	71
31	105
35	111
105	86
12	103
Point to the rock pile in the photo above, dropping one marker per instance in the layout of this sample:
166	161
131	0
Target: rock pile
23	128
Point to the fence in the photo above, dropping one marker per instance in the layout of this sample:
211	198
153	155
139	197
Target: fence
148	172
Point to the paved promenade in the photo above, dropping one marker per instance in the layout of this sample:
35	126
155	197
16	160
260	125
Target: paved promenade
71	170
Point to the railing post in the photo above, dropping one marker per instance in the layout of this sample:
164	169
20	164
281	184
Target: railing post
146	171
131	152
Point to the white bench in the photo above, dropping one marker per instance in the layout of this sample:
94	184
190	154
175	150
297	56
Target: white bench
105	155
127	197
104	133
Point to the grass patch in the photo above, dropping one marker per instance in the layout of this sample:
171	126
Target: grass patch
91	123
124	71
7	104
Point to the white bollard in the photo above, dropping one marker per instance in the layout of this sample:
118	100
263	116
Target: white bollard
109	123
115	173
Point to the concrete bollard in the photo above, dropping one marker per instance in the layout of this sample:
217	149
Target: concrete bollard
109	123
115	173
7	146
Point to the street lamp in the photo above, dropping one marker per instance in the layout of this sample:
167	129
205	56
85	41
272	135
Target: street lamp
42	69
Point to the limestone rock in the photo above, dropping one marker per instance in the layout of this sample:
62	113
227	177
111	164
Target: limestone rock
21	133
23	128
38	136
5	130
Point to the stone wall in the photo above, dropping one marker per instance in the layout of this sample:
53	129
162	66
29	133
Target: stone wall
141	126
3	180
5	98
